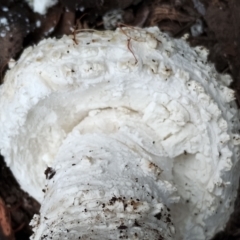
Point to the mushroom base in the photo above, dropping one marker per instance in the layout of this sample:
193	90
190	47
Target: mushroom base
110	192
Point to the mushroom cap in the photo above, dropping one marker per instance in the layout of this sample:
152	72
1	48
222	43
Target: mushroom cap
180	98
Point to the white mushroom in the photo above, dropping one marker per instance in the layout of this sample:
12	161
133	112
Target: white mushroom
136	133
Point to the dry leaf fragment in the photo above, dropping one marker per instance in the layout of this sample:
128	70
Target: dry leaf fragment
6	232
169	13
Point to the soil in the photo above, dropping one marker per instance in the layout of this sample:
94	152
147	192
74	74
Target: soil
214	24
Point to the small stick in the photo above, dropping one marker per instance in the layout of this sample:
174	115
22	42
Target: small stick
76	28
129	43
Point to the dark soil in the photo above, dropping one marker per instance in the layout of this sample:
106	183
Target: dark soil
211	23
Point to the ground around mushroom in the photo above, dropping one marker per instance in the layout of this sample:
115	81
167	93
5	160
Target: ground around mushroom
214	24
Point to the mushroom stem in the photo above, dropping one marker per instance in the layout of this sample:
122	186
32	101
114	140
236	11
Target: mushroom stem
104	187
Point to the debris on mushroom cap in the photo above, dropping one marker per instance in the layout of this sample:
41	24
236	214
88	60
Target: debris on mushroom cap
72	104
41	6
